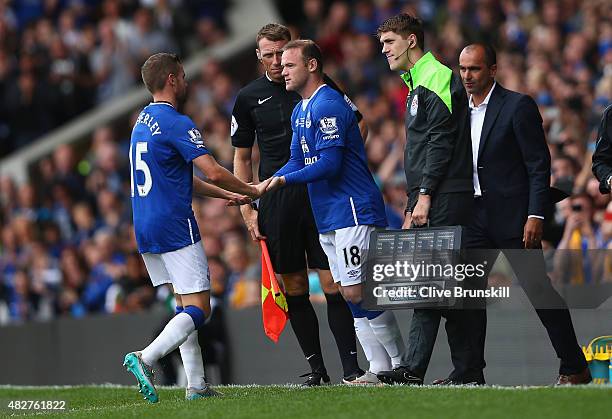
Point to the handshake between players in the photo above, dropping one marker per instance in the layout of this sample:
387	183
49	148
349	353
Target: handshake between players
223	184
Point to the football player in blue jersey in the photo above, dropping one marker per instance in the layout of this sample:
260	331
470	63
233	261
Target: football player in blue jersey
328	154
165	145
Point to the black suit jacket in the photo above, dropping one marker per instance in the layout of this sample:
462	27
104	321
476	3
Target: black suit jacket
513	163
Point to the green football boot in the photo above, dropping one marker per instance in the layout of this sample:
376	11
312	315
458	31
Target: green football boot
144	374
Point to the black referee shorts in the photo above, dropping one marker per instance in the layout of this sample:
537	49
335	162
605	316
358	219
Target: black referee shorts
285	218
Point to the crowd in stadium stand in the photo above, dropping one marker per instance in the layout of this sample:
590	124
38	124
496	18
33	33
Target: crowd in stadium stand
67	243
59	58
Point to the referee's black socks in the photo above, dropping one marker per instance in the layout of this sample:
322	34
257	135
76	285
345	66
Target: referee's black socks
342	326
306	328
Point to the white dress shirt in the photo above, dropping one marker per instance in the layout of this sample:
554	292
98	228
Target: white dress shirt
477	116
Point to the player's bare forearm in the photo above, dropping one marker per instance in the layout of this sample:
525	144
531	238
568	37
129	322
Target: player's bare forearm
226	180
223	178
201	188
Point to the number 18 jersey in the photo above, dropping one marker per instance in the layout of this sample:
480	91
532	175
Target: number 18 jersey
163	144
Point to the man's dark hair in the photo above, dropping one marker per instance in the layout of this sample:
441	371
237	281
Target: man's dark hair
310	51
157	68
273	32
490	55
404	25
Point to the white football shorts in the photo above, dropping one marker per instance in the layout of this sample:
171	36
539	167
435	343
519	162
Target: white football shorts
345	250
186	269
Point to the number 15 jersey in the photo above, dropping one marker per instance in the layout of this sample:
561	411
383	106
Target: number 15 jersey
163	144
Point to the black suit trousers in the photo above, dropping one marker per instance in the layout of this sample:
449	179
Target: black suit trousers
535	282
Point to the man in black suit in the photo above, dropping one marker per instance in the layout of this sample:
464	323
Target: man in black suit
511	169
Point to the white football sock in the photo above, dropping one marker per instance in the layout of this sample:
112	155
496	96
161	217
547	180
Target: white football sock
388	334
191	354
175	333
375	353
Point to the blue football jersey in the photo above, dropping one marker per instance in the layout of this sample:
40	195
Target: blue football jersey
351	198
163	144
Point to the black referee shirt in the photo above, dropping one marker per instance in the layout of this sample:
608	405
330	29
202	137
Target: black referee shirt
263	110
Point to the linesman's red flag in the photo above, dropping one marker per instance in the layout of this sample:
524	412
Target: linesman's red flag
273	303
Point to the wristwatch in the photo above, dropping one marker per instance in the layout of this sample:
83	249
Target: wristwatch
425	191
608	182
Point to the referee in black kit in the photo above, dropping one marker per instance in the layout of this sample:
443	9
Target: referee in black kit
263	110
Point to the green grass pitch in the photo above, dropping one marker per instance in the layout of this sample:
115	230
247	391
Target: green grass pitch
252	402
